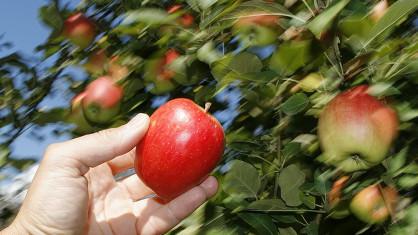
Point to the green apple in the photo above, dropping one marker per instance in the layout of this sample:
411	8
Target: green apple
374	204
356	130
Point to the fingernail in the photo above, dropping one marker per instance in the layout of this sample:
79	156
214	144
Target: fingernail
210	185
139	120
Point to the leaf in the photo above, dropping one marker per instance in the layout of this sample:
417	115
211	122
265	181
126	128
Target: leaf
51	17
290	56
290	179
151	16
408	223
287	231
266	205
323	21
408	181
242	180
4	154
50	116
395	13
263	224
295	104
245	63
309	201
311	229
398	161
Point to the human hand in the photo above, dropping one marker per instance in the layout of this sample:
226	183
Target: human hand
74	190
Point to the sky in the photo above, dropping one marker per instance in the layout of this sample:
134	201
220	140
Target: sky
19	25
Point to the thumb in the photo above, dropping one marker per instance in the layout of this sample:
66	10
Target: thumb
97	148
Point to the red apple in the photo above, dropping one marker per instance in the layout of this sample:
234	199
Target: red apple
183	145
164	72
79	30
186	19
102	100
374	204
356	130
77	116
339	207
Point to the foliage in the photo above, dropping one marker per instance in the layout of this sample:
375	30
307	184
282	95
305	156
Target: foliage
271	181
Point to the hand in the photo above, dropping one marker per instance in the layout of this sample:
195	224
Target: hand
74	190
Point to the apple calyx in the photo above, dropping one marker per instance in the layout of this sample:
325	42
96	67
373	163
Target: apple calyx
356	130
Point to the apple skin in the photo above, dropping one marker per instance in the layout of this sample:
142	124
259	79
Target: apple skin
102	100
79	30
339	208
76	116
373	205
356	130
257	28
182	146
186	19
96	62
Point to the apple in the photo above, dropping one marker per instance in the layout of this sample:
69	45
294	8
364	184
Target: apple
76	116
96	62
257	28
339	208
184	143
356	130
116	70
159	74
186	19
379	10
79	30
102	100
374	204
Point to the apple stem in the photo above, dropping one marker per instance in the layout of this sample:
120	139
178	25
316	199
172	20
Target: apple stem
207	106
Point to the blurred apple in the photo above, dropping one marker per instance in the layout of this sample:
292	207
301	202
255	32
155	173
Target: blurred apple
79	30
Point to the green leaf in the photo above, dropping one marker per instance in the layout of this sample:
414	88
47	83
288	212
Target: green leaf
242	180
51	17
408	181
309	201
408	223
266	205
398	161
245	63
287	231
263	224
290	56
50	116
295	104
290	179
151	16
390	20
311	229
323	21
4	154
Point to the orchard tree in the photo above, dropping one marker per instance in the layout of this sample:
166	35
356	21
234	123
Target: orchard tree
317	99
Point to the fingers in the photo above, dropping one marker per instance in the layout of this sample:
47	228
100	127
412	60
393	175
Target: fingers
170	214
95	149
122	163
135	187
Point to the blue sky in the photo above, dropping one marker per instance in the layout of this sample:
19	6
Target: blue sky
19	25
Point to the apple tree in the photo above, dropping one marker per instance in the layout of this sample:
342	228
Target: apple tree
317	99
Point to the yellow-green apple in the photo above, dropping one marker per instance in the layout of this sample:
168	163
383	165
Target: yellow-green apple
356	130
374	204
102	100
184	143
80	30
